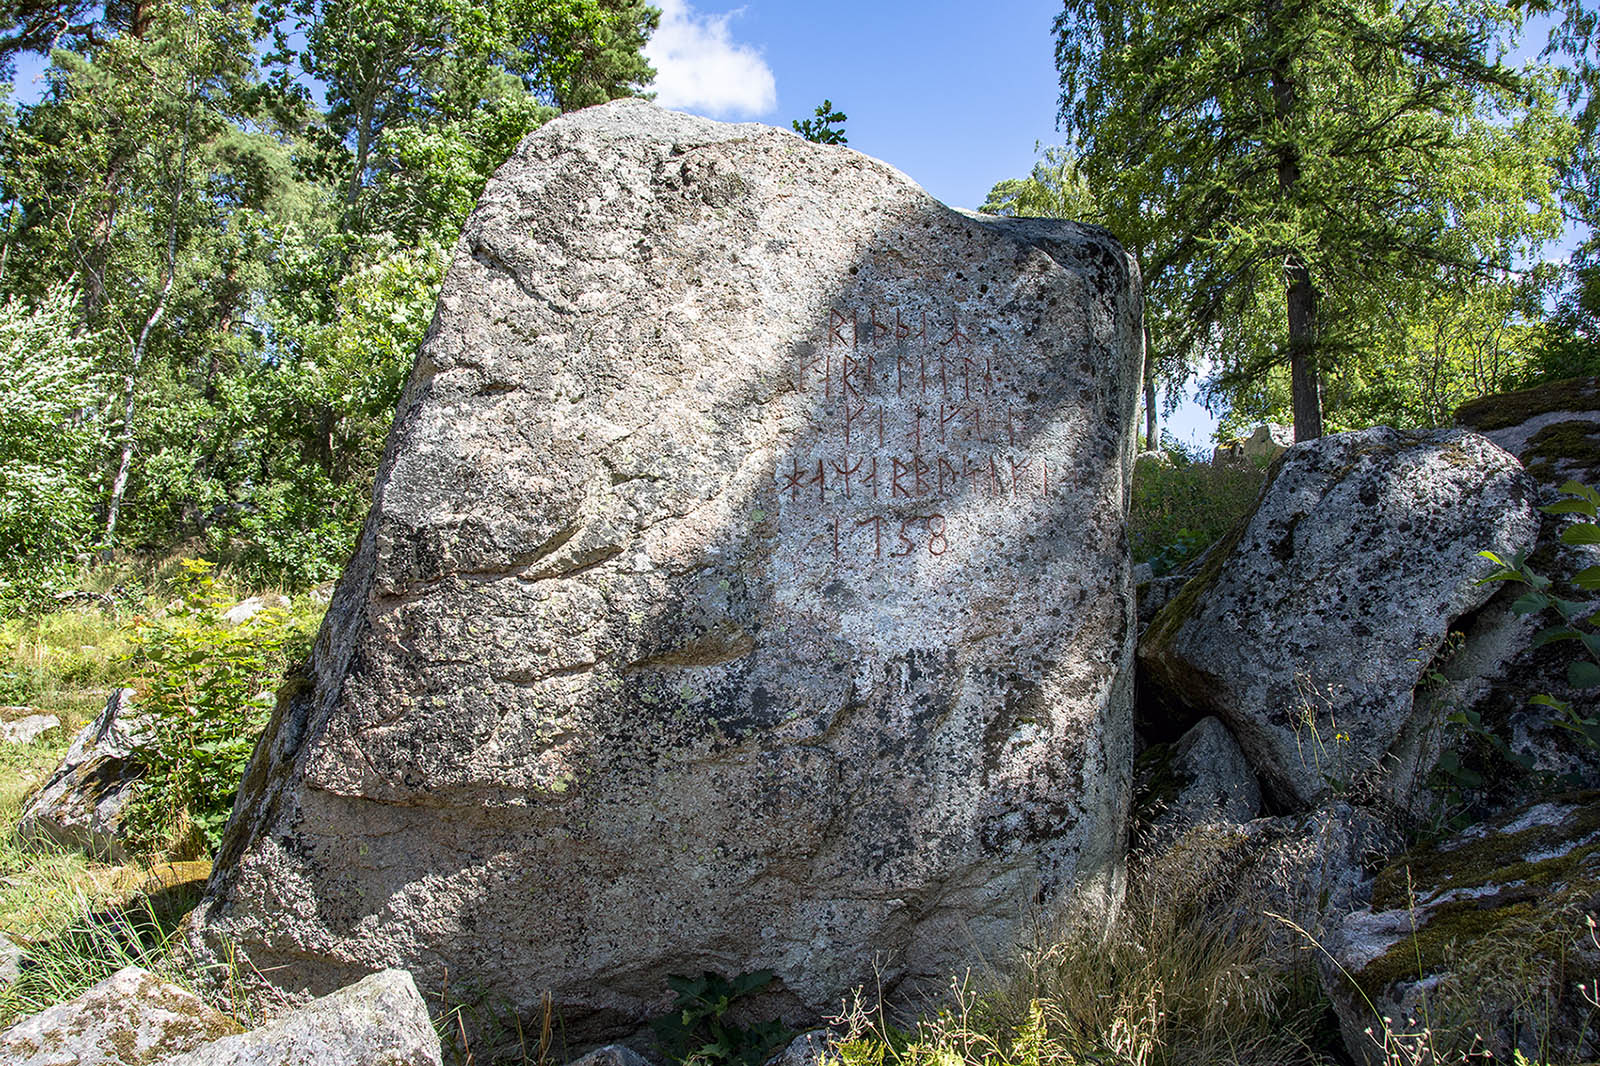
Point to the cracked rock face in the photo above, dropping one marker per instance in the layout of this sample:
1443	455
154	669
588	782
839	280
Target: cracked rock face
745	588
1309	629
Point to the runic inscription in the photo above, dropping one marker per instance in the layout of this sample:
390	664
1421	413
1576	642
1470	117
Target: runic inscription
911	411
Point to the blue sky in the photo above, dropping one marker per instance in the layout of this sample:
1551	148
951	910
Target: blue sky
954	94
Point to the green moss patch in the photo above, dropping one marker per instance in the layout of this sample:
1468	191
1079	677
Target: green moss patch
1514	408
1498	858
1450	929
1563	450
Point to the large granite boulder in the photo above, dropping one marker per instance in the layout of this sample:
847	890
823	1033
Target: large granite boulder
746	588
81	805
1483	941
1309	628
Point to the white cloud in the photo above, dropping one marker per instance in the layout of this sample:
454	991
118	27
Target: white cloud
699	67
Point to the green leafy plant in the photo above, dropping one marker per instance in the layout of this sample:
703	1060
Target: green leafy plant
1577	622
204	696
826	128
698	1031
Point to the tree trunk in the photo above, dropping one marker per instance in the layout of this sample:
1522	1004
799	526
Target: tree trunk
1150	440
1305	382
364	139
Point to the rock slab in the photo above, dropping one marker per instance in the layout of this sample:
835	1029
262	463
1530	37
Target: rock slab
1309	629
28	729
746	588
1479	942
132	1018
80	806
380	1020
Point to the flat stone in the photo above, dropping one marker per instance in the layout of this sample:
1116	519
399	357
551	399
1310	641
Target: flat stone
27	730
746	589
380	1020
131	1018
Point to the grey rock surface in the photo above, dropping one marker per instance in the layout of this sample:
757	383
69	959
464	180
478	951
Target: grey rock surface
132	1018
1202	778
1309	630
80	806
380	1020
745	588
1253	880
807	1049
1497	669
1269	441
28	729
1478	941
10	961
611	1055
246	609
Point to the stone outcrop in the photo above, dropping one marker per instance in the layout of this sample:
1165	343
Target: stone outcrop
1498	667
1269	441
132	1018
746	588
1309	628
380	1020
81	805
1483	938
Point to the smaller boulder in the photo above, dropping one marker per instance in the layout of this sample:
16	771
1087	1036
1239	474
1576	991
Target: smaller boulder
130	1019
380	1020
1309	627
1200	779
29	729
1267	443
81	805
1481	940
242	612
1229	453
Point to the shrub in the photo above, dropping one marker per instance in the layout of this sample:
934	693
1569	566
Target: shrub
49	445
204	696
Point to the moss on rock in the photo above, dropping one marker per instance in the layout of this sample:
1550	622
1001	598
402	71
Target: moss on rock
1507	409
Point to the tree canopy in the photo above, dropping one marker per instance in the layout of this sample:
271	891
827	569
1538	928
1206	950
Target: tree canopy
230	225
1283	167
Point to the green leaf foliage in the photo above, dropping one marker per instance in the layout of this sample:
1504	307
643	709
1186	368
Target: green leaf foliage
217	279
1330	187
205	693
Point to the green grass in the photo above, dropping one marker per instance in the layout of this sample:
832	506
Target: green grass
1178	510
